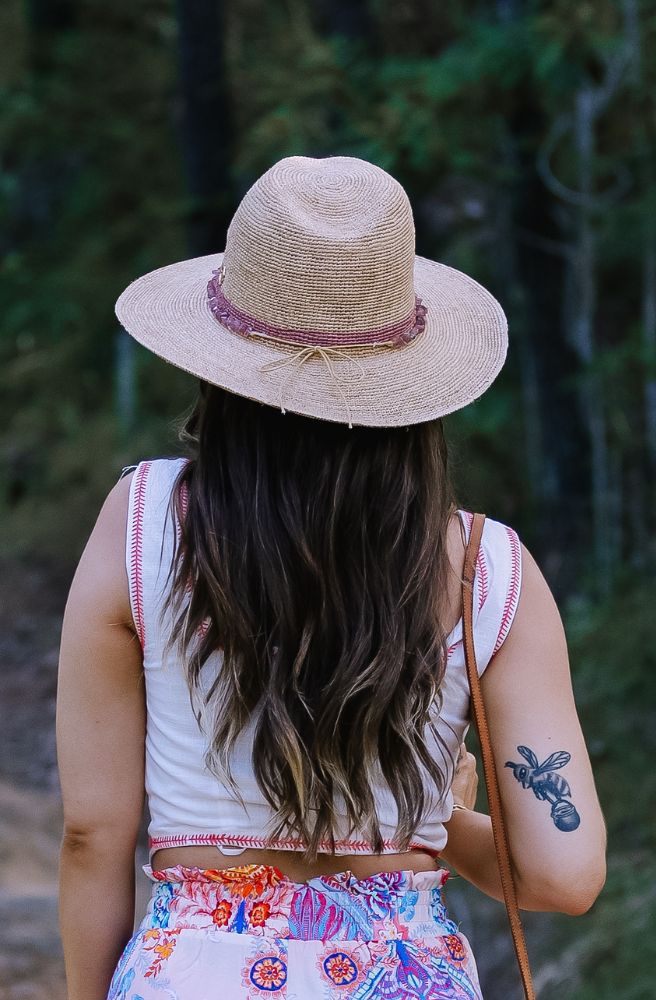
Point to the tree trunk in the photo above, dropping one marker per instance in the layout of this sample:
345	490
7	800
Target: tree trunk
206	123
125	383
505	257
349	18
583	338
649	325
47	19
641	503
507	266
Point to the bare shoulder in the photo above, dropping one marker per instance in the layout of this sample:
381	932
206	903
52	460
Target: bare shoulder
101	575
537	618
116	503
112	520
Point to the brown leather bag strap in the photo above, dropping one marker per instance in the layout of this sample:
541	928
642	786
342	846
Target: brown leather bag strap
489	769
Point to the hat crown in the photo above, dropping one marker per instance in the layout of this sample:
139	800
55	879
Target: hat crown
324	244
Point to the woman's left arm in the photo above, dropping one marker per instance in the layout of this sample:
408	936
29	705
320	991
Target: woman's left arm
100	753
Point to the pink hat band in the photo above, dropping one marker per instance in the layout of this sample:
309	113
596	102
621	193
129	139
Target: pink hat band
393	335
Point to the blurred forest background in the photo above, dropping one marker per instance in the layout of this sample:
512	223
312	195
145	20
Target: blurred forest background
525	135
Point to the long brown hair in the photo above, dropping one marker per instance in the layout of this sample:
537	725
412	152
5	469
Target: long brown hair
316	556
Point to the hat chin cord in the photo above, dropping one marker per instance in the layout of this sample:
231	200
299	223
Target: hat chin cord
326	353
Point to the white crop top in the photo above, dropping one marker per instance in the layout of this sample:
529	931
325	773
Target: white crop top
187	803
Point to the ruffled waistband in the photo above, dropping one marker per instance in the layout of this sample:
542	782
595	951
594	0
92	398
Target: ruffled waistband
268	876
262	900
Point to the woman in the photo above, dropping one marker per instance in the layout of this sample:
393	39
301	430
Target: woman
266	634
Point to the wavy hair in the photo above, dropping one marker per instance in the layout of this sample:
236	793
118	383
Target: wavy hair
315	555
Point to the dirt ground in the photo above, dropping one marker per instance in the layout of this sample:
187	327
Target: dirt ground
30	952
31	607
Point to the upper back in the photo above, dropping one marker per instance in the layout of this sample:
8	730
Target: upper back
186	800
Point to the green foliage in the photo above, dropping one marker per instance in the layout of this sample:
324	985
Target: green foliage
621	947
613	648
473	110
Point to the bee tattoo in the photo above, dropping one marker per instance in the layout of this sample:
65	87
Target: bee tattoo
547	785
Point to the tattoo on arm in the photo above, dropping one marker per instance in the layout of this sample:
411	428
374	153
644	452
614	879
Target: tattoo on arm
547	785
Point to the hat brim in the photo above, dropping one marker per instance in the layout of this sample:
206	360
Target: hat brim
450	364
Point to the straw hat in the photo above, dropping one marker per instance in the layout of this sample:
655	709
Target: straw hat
319	305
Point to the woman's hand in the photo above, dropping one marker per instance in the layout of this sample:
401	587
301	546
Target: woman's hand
465	781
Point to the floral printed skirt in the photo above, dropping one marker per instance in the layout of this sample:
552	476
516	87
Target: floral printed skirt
250	931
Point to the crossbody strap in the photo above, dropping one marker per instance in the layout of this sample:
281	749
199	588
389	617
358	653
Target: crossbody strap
489	769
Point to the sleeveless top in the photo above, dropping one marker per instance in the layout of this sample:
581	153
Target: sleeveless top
187	803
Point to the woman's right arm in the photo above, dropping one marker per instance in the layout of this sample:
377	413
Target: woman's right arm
555	824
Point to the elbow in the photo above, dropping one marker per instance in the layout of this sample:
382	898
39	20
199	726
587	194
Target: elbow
580	897
571	893
81	844
78	845
76	838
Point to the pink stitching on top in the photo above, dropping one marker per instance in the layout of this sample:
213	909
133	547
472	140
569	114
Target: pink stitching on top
288	843
184	504
184	501
483	578
136	549
512	596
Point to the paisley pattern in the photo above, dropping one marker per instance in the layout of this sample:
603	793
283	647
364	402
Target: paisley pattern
249	932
